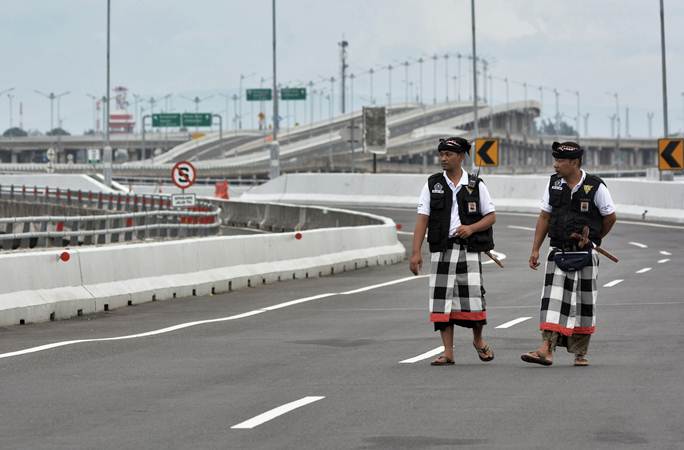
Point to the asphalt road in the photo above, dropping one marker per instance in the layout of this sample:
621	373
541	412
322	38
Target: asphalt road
339	356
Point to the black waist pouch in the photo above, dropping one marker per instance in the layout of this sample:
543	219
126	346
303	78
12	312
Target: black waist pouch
572	261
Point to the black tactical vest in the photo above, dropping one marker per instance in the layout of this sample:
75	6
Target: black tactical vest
441	202
572	212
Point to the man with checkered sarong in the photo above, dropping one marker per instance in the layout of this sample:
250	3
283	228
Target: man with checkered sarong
456	210
575	205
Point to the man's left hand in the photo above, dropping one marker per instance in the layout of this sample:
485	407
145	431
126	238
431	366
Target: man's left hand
464	231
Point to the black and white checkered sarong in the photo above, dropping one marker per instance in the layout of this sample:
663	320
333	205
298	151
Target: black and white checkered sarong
456	291
568	303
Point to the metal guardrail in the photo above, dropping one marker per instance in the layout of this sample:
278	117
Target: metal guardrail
103	218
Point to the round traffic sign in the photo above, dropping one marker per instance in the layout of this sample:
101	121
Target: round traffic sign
183	174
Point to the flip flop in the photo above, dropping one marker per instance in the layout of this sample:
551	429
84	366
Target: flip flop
442	361
581	361
482	353
535	358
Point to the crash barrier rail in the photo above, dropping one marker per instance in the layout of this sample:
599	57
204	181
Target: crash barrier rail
90	279
102	218
280	217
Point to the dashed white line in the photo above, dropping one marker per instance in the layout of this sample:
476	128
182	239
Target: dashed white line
666	253
638	244
405	232
510	323
661	261
644	270
276	412
516	227
422	356
613	283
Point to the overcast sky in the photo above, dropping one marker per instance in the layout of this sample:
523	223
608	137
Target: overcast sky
200	47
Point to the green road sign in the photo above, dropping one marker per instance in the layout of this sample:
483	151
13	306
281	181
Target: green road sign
166	120
196	119
293	94
258	95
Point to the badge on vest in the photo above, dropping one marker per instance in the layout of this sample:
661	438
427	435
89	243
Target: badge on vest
587	188
584	206
438	189
557	185
472	207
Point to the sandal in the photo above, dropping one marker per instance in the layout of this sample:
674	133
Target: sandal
535	358
581	361
485	353
442	361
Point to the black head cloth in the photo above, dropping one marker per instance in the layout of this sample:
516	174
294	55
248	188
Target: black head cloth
566	150
454	144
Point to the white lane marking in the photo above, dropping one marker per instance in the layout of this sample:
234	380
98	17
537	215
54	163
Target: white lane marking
422	356
654	225
638	244
666	253
510	323
405	233
644	270
499	255
516	227
613	283
388	283
207	321
660	261
275	412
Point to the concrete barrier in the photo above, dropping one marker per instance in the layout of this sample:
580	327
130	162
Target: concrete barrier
105	278
662	201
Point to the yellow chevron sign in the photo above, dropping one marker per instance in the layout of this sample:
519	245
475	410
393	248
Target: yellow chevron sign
670	154
486	152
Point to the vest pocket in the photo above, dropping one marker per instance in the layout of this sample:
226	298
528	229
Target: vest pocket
436	201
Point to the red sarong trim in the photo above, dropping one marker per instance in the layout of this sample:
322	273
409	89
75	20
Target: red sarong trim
458	315
564	330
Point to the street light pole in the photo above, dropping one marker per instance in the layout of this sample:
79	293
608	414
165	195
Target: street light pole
434	79
475	119
275	150
446	77
664	67
420	74
389	75
107	150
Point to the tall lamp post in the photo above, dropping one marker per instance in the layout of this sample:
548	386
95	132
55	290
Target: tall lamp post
52	97
275	150
475	119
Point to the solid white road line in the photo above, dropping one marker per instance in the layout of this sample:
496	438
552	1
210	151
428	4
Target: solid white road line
207	321
666	253
510	323
405	233
638	244
644	270
275	412
613	283
516	227
660	261
422	356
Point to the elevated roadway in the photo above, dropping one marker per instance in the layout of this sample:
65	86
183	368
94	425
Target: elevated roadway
183	373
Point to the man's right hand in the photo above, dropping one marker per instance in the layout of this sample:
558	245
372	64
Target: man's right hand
534	259
416	263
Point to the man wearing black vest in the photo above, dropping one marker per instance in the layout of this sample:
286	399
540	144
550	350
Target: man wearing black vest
458	213
574	203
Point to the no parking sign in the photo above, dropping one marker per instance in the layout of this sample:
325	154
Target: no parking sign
183	174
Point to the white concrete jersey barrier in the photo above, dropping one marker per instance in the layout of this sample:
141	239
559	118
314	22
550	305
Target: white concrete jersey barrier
38	286
662	200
